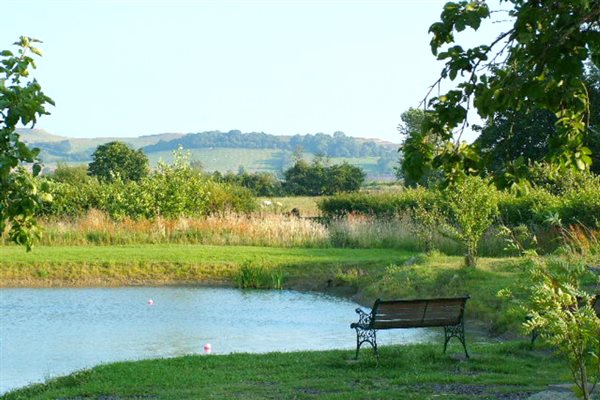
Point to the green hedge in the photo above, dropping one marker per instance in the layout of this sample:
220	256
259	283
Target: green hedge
576	206
379	205
159	194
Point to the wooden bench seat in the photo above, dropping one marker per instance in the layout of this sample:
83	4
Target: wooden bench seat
418	313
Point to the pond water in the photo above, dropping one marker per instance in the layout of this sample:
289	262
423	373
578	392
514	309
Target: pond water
50	332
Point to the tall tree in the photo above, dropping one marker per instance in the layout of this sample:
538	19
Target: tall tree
511	134
537	63
417	147
21	101
116	160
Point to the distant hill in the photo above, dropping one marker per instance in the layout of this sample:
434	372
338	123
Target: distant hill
55	148
229	151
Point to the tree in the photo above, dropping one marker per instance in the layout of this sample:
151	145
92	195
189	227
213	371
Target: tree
71	174
470	207
318	179
116	160
512	134
21	101
303	178
538	63
417	147
344	178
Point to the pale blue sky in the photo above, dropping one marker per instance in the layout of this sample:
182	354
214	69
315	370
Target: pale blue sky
130	68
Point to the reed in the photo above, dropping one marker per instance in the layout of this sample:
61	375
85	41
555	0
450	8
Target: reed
264	229
270	229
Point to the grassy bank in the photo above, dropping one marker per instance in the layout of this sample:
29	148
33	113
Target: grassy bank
495	371
163	264
364	274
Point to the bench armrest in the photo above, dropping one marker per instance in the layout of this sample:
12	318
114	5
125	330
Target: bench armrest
364	319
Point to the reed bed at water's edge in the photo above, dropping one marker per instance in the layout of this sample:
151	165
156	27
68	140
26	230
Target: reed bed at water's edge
259	229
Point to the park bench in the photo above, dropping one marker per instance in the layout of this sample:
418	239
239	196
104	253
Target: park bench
595	306
418	313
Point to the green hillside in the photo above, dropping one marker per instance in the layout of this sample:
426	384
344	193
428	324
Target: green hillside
222	157
256	160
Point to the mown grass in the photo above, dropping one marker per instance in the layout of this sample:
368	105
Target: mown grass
495	371
160	264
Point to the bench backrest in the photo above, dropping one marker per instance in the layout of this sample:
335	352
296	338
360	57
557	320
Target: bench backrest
418	313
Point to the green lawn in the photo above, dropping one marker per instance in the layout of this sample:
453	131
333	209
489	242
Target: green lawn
495	371
161	264
192	254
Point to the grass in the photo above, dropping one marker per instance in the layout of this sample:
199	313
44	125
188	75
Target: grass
272	226
257	160
495	371
164	264
307	205
267	228
228	159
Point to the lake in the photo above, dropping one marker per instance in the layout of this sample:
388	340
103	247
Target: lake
51	332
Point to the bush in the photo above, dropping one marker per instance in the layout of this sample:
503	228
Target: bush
225	197
529	209
382	205
470	208
582	206
69	200
561	311
172	191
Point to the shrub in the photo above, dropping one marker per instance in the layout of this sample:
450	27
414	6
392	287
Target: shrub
382	205
531	208
224	198
470	206
172	191
561	311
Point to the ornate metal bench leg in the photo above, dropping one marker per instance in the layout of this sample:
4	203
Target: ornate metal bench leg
366	336
358	343
375	349
457	331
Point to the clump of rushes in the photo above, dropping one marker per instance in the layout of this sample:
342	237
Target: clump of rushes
251	276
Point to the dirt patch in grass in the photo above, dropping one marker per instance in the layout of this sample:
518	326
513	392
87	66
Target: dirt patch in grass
500	392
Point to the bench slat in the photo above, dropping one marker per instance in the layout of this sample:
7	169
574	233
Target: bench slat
418	313
413	324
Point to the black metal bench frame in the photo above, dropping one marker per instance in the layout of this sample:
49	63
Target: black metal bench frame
369	323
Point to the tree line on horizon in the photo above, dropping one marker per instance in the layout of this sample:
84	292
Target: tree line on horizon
336	145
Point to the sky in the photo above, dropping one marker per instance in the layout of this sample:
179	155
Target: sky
130	68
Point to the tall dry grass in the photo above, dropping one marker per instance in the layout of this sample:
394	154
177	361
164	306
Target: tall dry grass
259	229
402	232
277	230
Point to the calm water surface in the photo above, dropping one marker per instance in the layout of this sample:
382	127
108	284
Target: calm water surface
49	332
